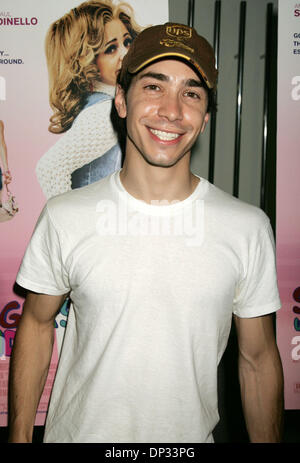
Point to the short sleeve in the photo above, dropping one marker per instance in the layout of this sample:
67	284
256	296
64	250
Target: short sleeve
42	268
257	293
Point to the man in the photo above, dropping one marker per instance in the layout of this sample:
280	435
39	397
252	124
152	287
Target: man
156	260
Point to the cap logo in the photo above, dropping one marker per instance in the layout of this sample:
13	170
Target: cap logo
174	43
179	32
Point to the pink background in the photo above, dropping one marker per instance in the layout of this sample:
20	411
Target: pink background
288	201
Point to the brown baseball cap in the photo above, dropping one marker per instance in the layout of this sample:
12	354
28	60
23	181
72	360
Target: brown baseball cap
167	41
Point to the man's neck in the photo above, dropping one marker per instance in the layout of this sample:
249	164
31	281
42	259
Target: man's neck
152	183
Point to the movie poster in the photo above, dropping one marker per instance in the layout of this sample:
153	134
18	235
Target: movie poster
288	197
40	158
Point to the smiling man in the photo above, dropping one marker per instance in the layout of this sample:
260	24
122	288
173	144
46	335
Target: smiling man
167	110
157	262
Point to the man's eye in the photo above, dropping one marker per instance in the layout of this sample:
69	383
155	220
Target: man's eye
110	49
152	87
193	95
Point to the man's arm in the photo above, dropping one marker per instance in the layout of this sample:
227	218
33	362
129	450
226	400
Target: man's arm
261	378
30	361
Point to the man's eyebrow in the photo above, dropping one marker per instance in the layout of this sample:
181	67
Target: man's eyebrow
193	83
165	78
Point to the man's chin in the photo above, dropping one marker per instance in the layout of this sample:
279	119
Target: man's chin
162	161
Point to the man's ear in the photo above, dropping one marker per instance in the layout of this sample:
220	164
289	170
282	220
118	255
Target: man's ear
205	121
120	102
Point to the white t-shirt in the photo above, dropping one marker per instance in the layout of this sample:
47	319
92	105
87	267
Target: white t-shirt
153	288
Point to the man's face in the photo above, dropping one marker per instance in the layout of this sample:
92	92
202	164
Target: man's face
166	109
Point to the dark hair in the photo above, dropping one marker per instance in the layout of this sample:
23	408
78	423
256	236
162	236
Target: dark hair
127	77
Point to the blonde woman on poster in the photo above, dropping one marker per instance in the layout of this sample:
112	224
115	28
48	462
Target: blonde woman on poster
84	51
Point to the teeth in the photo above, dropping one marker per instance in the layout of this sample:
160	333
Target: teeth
164	135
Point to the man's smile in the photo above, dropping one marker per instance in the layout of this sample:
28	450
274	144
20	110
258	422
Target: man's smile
163	135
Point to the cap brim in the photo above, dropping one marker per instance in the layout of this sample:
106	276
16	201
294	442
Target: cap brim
136	68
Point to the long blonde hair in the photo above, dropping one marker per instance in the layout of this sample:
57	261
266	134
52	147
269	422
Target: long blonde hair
72	44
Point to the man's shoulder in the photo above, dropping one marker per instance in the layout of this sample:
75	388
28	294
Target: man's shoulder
79	202
234	212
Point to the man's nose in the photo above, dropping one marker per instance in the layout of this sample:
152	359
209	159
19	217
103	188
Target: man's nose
170	107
